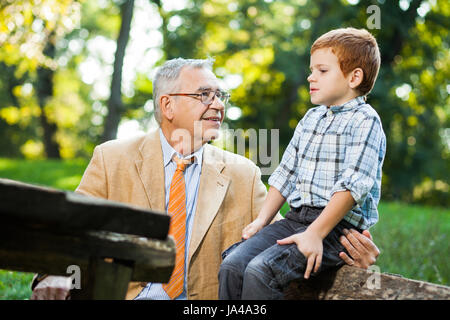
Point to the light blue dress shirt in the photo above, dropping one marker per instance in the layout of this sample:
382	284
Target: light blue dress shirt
154	291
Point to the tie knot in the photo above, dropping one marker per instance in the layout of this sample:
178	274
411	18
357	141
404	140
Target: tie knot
182	163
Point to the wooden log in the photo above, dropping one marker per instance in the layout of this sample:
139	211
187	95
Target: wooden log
348	283
34	206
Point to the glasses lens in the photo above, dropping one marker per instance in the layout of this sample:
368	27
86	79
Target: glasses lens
208	96
223	96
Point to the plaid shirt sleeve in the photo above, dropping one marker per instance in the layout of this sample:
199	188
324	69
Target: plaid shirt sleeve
284	176
364	158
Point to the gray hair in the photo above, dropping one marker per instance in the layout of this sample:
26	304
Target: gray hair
166	76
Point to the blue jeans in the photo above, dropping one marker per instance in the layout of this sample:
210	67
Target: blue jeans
260	269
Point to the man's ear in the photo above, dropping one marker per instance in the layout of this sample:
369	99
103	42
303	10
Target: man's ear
356	77
166	105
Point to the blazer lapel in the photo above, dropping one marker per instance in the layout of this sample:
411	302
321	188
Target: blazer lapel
151	170
212	190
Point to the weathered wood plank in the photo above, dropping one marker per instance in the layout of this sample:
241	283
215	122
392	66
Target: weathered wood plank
34	205
50	252
355	283
49	231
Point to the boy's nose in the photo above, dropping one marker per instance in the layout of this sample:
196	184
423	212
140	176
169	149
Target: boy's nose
310	78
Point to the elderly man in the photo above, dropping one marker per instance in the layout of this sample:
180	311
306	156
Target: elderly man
210	194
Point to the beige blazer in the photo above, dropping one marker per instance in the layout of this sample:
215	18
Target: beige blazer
230	196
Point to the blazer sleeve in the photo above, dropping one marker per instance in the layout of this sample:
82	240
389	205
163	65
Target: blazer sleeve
94	181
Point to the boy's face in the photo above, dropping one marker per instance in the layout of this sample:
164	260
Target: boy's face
328	85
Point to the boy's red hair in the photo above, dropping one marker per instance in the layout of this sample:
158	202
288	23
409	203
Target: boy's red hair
355	48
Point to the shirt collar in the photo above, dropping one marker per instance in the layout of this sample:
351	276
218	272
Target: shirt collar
168	151
349	105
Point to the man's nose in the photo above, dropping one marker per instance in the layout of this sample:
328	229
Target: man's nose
217	104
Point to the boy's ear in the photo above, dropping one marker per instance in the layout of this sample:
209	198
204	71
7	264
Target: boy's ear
356	77
166	105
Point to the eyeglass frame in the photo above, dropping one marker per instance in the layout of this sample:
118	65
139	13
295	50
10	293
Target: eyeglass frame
196	95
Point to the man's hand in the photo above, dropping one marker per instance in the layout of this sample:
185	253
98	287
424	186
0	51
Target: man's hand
52	288
363	252
310	245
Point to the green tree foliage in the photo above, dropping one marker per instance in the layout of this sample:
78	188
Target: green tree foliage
267	44
261	49
42	102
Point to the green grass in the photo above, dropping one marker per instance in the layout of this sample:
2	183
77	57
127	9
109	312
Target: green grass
15	285
64	175
413	239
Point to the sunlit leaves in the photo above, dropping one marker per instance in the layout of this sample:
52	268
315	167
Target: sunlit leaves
26	25
26	29
261	48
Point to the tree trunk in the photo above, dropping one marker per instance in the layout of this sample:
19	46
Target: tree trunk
44	90
115	105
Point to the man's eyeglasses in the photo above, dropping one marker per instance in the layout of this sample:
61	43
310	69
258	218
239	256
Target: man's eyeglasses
207	97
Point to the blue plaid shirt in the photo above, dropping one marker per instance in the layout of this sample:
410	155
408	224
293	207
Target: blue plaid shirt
334	149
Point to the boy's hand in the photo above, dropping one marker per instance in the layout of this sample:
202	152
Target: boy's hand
252	228
310	244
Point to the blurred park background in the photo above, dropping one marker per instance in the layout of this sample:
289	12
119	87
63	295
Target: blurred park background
76	73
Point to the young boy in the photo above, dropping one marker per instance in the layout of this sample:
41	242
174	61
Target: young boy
330	175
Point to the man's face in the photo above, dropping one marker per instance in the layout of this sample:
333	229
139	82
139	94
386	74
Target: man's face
328	85
189	112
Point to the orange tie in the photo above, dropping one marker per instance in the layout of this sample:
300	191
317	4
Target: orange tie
177	228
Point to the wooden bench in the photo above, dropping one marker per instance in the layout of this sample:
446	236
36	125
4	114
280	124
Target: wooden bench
47	231
55	232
